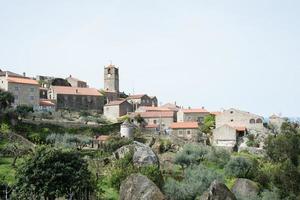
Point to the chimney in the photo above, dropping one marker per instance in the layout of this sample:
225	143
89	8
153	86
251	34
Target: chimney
6	75
70	75
24	74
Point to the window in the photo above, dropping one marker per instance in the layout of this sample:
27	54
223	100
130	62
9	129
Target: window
231	112
252	121
188	132
231	120
154	121
16	88
259	121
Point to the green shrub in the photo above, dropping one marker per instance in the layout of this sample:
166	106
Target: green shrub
240	167
196	180
154	174
218	156
115	143
164	145
191	154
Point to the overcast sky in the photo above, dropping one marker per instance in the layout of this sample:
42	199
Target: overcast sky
218	54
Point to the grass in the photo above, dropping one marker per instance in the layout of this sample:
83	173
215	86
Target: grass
7	172
107	192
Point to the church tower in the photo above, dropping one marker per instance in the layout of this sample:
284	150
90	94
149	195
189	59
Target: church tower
111	78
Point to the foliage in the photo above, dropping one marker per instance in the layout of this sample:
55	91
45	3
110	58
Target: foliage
16	150
115	143
139	119
195	182
208	125
4	128
218	156
6	99
153	173
69	141
51	173
191	154
283	147
240	167
164	145
23	110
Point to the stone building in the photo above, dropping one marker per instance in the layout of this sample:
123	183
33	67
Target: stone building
188	131
24	89
140	100
161	118
76	82
238	118
75	98
111	79
116	109
154	101
192	115
276	121
227	136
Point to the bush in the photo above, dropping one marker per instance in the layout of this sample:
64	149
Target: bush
218	156
154	174
240	167
164	145
195	182
191	154
115	143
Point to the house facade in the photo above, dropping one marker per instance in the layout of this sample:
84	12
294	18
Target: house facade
24	89
139	100
188	131
116	109
163	119
76	82
192	115
237	118
76	98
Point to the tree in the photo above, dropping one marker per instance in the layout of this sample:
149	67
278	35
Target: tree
190	154
284	146
23	110
6	99
240	167
52	173
208	125
17	150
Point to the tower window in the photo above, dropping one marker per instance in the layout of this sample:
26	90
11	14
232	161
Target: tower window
109	71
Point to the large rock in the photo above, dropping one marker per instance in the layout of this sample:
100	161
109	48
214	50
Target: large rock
143	155
218	191
245	187
139	187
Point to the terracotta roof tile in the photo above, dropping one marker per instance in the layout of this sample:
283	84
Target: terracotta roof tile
22	80
45	102
152	108
76	91
115	103
183	125
137	96
164	114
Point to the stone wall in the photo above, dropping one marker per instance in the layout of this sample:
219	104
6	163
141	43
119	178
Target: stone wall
79	102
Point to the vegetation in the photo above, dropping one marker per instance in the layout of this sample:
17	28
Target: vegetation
208	125
50	173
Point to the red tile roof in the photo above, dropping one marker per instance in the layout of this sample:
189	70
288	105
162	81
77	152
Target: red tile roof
184	125
151	126
115	103
22	80
45	102
240	128
216	113
152	108
199	110
164	114
76	91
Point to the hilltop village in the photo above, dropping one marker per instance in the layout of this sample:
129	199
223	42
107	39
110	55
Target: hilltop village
62	139
52	94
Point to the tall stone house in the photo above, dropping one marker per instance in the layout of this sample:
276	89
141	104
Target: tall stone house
116	109
141	100
76	98
238	118
188	131
159	119
192	115
24	89
76	82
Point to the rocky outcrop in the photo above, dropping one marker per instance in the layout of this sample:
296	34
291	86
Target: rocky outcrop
245	187
142	154
218	191
139	187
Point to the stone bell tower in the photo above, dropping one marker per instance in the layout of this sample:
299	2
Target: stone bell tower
111	78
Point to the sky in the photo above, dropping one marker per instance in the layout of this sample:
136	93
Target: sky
218	54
